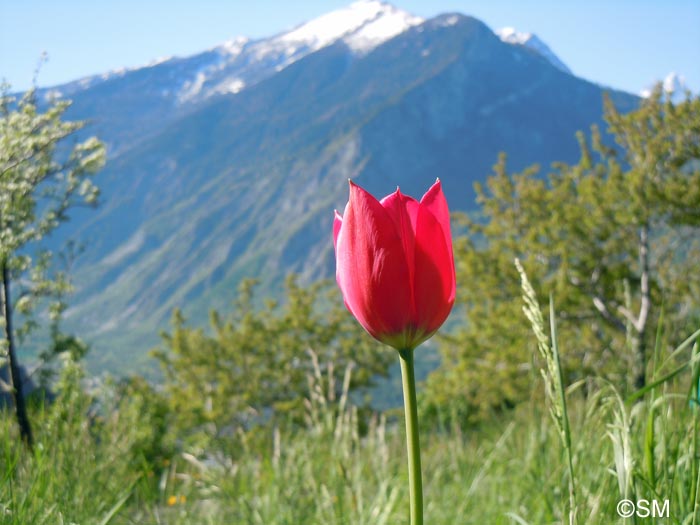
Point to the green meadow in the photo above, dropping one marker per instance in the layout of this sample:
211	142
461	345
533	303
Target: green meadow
563	388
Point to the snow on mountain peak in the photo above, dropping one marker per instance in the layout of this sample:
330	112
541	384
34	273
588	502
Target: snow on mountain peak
241	62
510	35
364	24
674	83
674	87
329	27
388	23
232	66
233	46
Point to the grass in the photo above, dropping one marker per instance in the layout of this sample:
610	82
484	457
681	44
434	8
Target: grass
514	471
567	455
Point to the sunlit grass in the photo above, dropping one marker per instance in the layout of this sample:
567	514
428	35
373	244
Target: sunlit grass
337	469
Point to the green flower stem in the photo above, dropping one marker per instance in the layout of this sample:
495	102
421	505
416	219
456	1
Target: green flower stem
415	481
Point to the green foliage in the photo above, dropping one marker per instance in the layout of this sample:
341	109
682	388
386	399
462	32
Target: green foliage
325	471
257	364
104	456
554	387
41	179
85	464
147	411
502	472
614	238
39	184
37	189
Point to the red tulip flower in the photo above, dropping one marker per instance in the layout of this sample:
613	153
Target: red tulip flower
394	264
395	268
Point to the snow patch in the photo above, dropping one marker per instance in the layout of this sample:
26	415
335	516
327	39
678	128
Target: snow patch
510	36
328	28
52	94
159	60
674	87
450	21
234	46
235	86
389	23
363	25
674	83
233	65
192	87
206	80
118	72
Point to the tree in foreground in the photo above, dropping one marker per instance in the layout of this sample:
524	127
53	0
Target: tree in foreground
616	239
41	179
254	368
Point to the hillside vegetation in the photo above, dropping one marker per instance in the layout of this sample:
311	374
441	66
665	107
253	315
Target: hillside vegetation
534	415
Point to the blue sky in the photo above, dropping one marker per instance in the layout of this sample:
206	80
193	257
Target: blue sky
626	44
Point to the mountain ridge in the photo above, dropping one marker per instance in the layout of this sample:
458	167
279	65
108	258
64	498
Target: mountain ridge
244	185
280	50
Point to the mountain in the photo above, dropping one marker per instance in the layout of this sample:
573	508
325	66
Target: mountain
532	42
206	189
128	104
674	87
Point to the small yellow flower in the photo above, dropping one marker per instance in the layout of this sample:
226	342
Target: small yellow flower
172	500
183	499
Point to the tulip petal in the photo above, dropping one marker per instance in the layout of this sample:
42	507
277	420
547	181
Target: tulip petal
434	201
403	210
434	278
372	271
